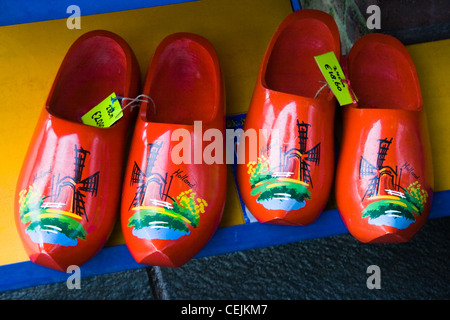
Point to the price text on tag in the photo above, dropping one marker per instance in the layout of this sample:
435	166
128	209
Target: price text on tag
105	114
334	76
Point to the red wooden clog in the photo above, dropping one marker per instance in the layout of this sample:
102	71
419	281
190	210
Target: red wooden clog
68	191
173	198
384	180
289	179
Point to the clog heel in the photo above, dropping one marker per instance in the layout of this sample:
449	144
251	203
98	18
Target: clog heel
68	191
174	188
384	180
285	175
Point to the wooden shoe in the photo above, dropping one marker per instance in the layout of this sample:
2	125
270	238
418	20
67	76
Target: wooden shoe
384	179
289	179
68	191
172	199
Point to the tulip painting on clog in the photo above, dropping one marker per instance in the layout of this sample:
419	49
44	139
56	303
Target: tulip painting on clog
388	202
286	186
156	214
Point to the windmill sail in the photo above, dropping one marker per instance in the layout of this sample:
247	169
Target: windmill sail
144	179
302	135
139	196
90	184
314	154
80	209
75	198
137	176
305	174
303	156
382	151
372	189
390	176
366	168
80	158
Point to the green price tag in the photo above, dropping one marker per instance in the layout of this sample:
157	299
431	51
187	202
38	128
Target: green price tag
105	114
332	71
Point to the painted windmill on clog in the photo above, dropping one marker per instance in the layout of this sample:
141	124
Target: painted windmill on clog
58	217
303	156
144	178
388	203
76	185
277	189
157	215
378	172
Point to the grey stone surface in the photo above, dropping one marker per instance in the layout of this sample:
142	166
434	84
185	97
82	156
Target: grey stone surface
126	285
327	268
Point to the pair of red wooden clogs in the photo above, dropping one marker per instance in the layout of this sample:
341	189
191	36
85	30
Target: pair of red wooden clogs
384	178
77	177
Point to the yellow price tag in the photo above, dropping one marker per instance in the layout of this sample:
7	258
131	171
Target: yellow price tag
105	114
334	76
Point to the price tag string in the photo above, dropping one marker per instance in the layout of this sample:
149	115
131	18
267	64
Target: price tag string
352	94
132	102
321	88
335	78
